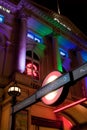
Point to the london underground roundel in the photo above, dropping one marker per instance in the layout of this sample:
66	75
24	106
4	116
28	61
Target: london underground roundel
54	97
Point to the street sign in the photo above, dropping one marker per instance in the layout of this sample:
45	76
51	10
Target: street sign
65	79
25	103
57	83
79	72
52	97
42	92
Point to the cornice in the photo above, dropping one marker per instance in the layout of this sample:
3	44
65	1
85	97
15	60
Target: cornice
48	16
8	5
12	7
60	26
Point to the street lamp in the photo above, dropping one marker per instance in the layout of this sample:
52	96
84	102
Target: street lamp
14	91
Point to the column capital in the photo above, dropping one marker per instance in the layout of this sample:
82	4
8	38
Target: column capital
55	34
23	15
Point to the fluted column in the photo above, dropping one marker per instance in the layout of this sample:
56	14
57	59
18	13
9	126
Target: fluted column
21	51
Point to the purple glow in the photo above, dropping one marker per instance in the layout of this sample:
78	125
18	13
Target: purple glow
66	64
86	81
22	61
85	92
22	47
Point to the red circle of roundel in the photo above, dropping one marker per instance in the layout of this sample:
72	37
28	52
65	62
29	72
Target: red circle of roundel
53	96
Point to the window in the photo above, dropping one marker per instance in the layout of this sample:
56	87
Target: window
32	65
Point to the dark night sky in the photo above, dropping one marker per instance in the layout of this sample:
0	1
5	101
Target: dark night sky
75	10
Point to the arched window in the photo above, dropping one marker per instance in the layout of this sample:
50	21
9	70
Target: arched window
32	65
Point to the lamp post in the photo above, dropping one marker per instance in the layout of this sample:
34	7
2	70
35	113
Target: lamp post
13	91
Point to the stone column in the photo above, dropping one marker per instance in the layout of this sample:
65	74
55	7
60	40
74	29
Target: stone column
56	54
48	54
8	63
53	58
77	90
74	58
21	51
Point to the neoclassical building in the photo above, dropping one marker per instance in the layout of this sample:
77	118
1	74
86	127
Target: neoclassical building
34	42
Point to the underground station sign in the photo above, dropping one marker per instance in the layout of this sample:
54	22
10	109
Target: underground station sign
59	82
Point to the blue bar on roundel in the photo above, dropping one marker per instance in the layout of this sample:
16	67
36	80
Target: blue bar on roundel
59	82
80	72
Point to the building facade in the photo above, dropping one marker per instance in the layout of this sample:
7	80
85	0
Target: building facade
34	42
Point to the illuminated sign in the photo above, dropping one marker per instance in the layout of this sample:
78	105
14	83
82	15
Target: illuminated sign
42	92
50	98
32	69
59	82
54	85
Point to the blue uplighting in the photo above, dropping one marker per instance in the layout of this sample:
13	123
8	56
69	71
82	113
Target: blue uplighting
34	37
1	18
63	52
